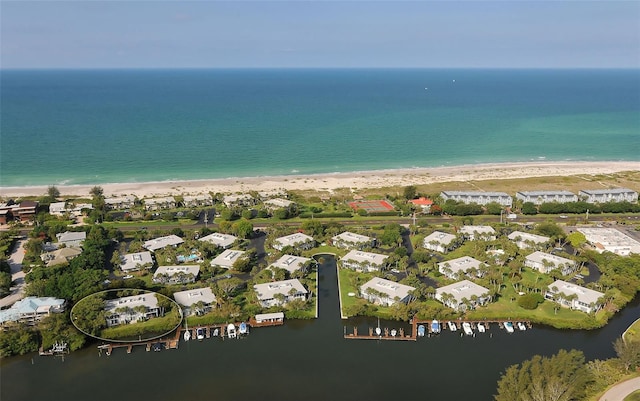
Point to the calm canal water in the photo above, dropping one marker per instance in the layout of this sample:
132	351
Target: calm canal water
307	360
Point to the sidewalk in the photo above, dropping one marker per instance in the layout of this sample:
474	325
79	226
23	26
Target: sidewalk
17	275
621	390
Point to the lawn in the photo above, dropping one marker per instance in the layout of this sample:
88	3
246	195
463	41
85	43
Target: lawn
633	332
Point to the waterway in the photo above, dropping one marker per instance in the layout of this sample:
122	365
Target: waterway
302	360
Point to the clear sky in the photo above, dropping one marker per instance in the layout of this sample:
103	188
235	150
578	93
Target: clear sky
221	34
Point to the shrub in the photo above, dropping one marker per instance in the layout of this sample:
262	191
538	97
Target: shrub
530	301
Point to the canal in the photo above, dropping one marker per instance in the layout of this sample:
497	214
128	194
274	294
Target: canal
302	360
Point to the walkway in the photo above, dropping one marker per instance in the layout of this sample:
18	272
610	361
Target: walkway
621	390
17	275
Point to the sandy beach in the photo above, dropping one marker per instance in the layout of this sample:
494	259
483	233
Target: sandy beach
331	182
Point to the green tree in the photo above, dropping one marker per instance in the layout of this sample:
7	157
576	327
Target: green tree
243	228
561	377
410	192
529	208
628	353
52	193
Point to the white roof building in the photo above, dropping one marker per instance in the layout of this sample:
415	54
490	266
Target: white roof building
545	262
609	195
58	208
32	309
540	197
296	240
478	197
278	203
167	202
439	241
586	301
478	232
116	315
219	239
242	199
162	242
227	258
527	240
611	240
176	274
186	299
198	200
290	263
290	289
385	292
363	261
136	261
452	268
348	240
71	238
124	202
460	291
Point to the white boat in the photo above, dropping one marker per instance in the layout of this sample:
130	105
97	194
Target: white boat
435	326
187	335
393	332
481	328
466	326
521	326
244	329
509	327
231	331
215	333
452	326
421	331
200	333
378	331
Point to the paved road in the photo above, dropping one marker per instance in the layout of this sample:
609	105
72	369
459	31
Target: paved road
17	275
621	390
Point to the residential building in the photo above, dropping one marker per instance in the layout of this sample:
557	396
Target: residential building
545	262
176	274
540	197
462	295
278	203
196	301
162	242
574	296
363	261
168	202
32	309
25	210
609	195
227	258
136	261
5	215
72	239
279	292
120	203
291	263
472	233
460	266
238	200
197	200
610	240
423	203
527	240
58	208
59	256
478	197
221	240
295	240
386	292
440	242
349	240
132	309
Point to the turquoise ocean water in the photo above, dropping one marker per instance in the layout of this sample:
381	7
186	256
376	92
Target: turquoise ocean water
95	127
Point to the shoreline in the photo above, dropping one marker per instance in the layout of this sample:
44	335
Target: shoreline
329	182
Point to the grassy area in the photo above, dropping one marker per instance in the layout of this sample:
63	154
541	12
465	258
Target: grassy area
633	332
635	396
151	328
349	303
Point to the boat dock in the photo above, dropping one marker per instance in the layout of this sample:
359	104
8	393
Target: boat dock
387	334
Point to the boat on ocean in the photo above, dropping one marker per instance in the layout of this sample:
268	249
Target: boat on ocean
243	329
466	326
509	327
215	333
481	328
521	326
231	331
435	326
394	332
421	331
200	333
452	326
378	330
187	335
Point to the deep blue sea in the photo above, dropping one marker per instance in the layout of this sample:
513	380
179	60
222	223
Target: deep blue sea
104	126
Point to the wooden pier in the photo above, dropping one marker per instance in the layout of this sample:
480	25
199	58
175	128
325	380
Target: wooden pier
384	335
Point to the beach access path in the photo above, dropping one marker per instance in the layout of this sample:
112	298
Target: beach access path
17	275
621	390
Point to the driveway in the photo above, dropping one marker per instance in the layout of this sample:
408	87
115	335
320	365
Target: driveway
621	390
17	275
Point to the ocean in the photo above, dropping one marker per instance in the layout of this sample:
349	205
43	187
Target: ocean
108	126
